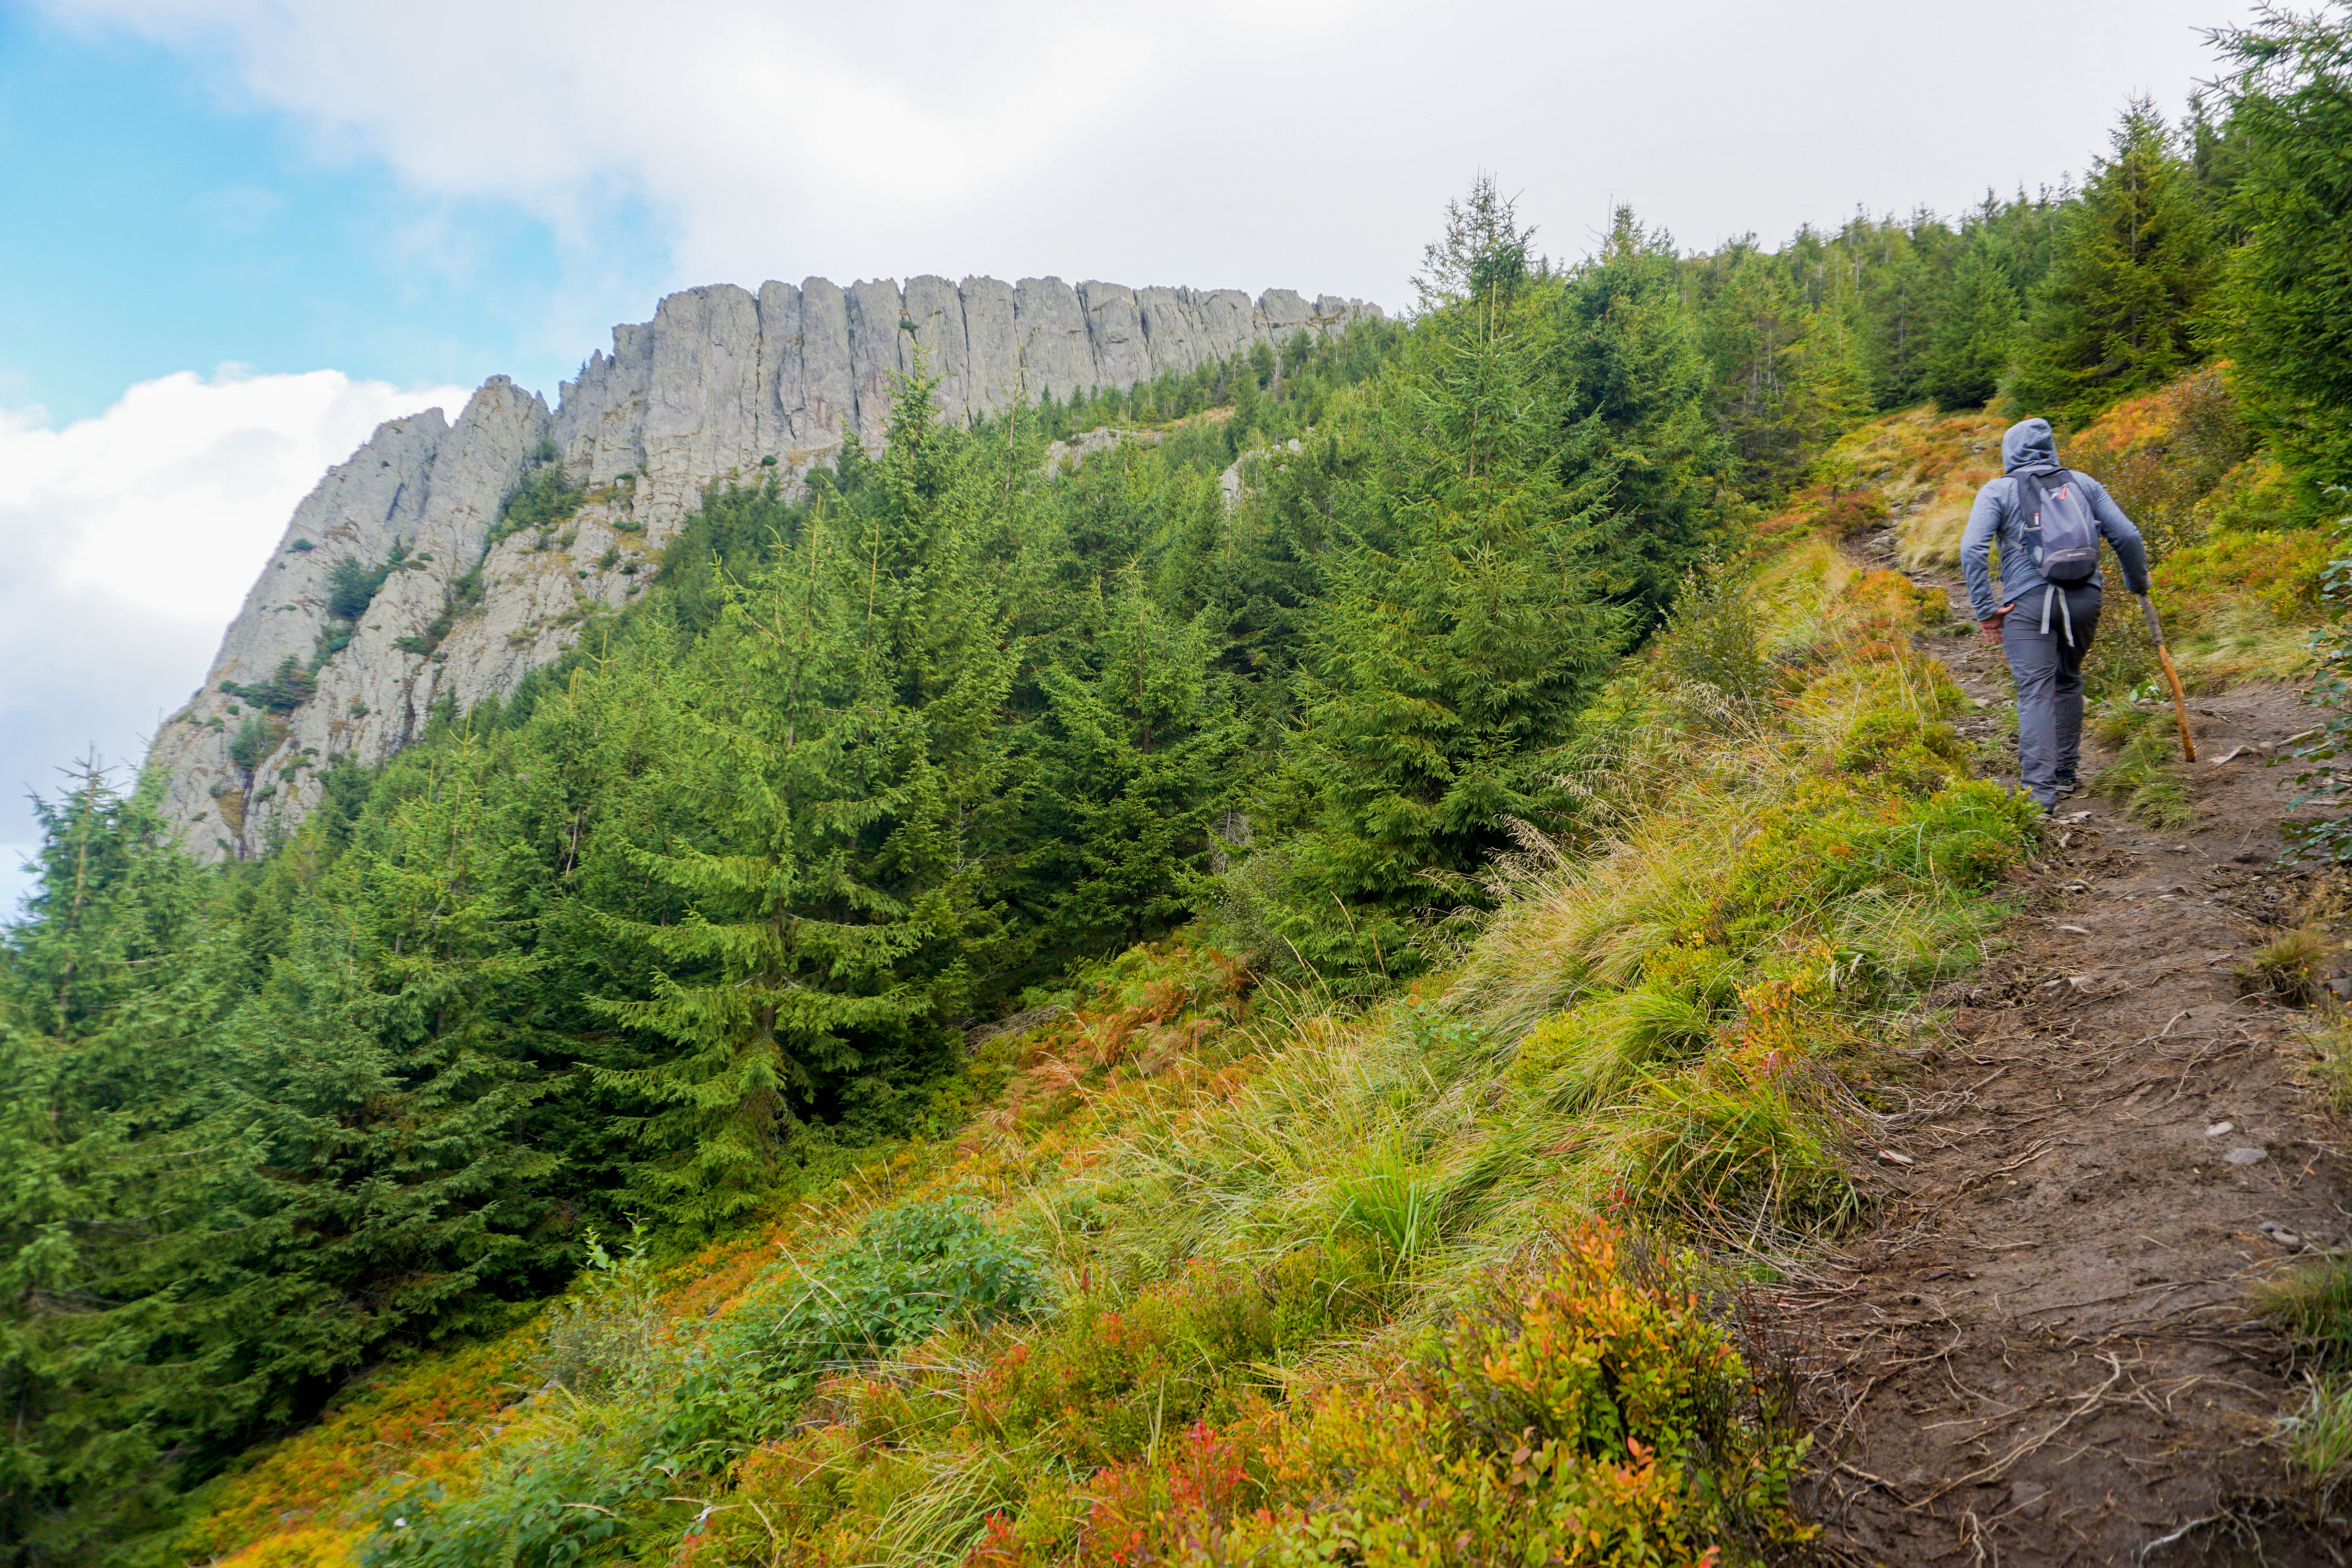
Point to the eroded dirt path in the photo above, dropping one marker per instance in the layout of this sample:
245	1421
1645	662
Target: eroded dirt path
2045	1353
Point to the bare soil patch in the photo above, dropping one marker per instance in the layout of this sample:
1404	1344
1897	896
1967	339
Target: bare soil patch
2046	1352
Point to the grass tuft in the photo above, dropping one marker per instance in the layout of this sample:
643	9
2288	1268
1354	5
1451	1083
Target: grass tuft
2313	1306
2331	1053
2145	778
2319	1435
2291	967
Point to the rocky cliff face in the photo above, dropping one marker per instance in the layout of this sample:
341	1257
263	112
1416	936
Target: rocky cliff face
721	379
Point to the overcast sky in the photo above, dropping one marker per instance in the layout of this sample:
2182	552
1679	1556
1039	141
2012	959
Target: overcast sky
240	232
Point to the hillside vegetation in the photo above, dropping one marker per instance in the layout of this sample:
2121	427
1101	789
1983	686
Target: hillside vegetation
1213	1247
1448	912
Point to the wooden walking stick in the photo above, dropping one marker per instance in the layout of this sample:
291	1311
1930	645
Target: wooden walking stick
2180	704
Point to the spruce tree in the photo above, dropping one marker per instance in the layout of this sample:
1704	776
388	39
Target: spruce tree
1483	257
1463	631
1751	325
108	988
2287	303
2117	311
1134	773
787	944
837	899
1971	338
1899	300
1634	415
394	1177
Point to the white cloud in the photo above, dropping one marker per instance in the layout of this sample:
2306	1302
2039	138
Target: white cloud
1307	144
1302	143
131	539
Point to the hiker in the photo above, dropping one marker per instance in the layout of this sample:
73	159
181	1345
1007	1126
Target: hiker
2049	521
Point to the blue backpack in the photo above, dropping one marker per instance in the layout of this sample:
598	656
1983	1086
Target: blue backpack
2059	526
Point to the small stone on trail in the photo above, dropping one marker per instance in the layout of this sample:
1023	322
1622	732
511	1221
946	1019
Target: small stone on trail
2247	1156
2078	816
2076	888
2180	849
2029	1500
2221	1127
2280	1234
2077	931
1892	1158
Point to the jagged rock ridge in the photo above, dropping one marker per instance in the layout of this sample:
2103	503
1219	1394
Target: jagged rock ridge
721	379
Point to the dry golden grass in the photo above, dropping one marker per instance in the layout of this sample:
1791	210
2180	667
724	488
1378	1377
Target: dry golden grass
2235	576
1929	467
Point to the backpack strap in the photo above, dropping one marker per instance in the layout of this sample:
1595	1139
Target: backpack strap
2033	490
2032	498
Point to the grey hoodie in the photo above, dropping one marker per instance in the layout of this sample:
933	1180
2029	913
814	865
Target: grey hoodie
2028	448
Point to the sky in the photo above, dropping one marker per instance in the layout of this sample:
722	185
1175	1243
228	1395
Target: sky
239	233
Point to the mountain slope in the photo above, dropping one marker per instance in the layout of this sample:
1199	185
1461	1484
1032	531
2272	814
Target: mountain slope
1212	1239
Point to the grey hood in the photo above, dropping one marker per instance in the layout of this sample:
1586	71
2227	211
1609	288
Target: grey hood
2029	447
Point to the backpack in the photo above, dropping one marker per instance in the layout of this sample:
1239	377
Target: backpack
2059	526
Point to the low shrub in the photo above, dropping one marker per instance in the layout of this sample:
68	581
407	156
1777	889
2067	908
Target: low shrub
907	1271
352	587
544	497
1839	510
605	1337
2276	571
1030	1424
1587	1412
260	734
1711	652
577	1486
288	687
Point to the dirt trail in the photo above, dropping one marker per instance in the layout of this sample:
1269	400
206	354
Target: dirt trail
2045	1353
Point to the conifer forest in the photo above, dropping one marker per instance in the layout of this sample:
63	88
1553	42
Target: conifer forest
1286	986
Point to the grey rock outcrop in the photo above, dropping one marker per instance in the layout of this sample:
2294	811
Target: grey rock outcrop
721	380
1250	468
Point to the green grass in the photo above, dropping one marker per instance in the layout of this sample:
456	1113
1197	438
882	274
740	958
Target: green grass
2313	1306
2319	1435
1233	1263
2331	1061
2147	778
2291	967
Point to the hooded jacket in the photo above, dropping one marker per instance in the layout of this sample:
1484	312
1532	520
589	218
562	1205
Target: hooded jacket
2028	448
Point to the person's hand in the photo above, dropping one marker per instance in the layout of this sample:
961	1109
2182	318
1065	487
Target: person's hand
1991	628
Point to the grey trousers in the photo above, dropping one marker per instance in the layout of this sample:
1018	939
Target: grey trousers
2047	664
